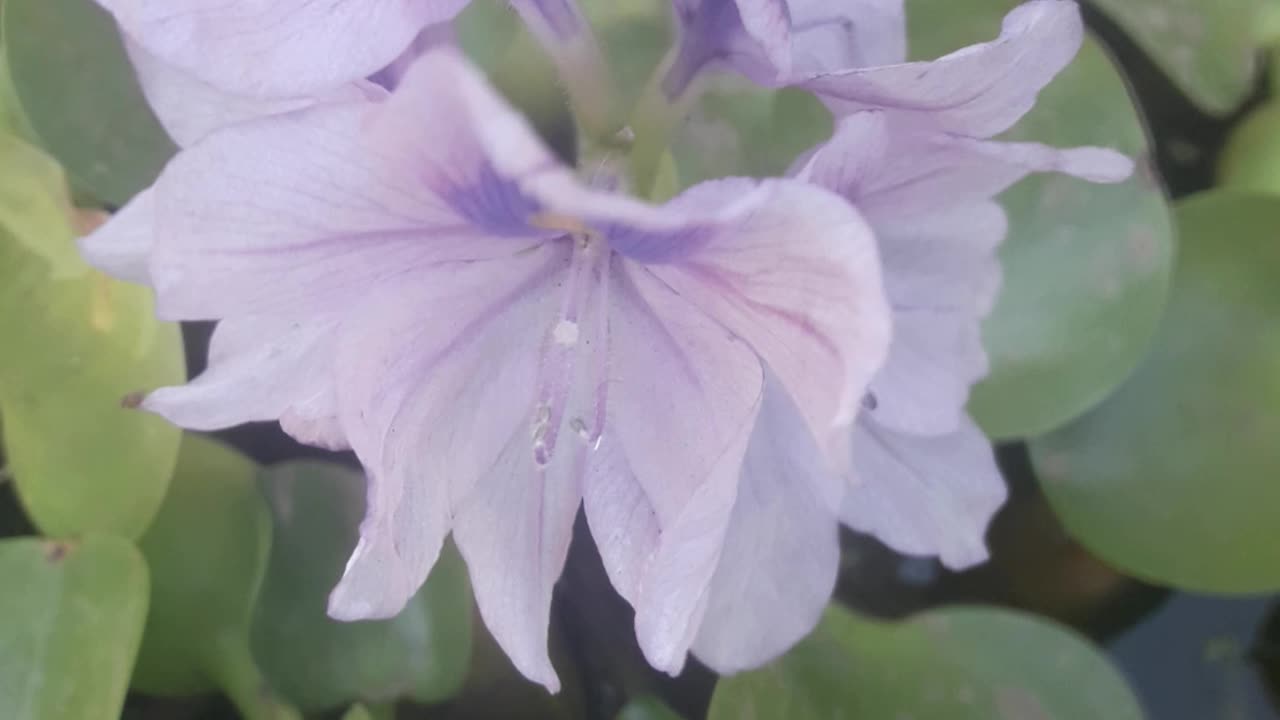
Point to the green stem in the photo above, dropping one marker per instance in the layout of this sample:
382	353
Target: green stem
654	120
585	72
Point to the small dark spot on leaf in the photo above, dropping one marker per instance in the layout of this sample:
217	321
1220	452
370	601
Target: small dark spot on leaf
54	552
132	400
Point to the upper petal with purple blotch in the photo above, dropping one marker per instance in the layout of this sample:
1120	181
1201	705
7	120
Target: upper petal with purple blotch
307	209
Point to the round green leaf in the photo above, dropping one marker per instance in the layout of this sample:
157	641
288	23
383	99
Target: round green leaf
79	94
34	208
71	617
1173	478
647	708
1251	159
953	664
76	343
422	654
1086	267
1208	48
207	550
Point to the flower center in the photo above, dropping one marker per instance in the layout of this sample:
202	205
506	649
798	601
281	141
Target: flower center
569	344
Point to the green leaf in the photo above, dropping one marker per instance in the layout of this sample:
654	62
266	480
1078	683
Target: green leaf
1086	267
423	654
357	712
953	664
76	343
1251	159
741	129
1209	49
207	550
1173	478
71	617
647	708
34	207
78	91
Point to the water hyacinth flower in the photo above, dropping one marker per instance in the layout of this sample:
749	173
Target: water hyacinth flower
927	482
420	279
400	267
926	182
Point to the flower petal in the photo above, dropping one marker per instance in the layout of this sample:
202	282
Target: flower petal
925	495
978	91
190	108
280	48
259	369
122	246
849	34
431	393
623	522
894	172
795	275
928	195
782	549
308	209
683	398
514	532
942	276
752	36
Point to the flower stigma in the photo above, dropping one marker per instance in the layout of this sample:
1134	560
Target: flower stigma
587	282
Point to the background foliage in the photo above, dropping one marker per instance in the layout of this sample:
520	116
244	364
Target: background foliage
1135	389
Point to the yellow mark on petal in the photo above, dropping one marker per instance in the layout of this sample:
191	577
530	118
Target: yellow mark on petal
102	316
562	223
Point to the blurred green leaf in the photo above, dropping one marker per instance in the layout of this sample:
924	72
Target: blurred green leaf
12	120
79	94
423	654
1209	48
71	617
1173	479
207	550
357	712
495	39
953	664
647	708
76	343
742	129
35	209
1251	159
1086	267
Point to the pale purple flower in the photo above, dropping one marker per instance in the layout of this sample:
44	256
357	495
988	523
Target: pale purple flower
418	278
926	482
399	267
